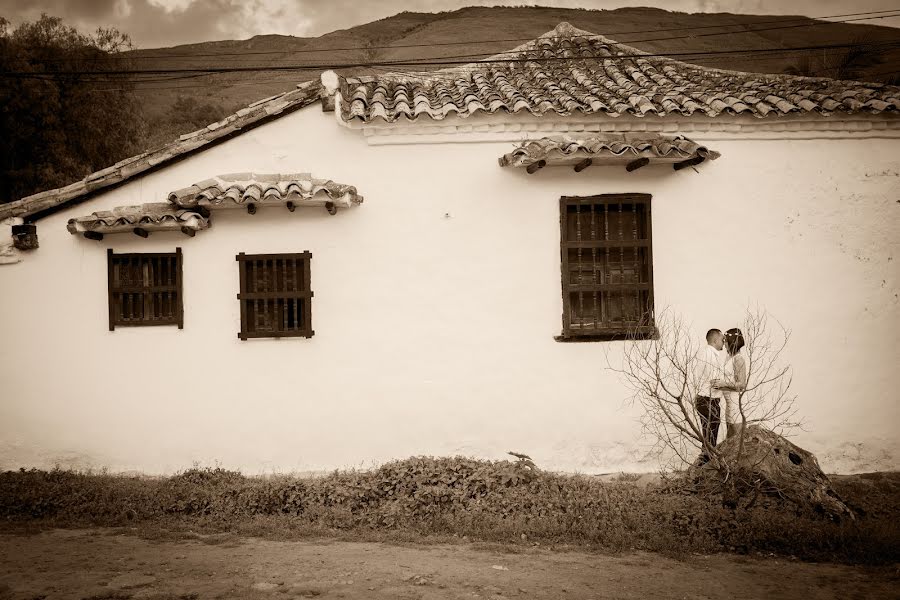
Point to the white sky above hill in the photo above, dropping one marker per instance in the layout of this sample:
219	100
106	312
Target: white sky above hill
158	23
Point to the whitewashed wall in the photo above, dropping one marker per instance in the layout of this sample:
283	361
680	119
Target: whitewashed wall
436	303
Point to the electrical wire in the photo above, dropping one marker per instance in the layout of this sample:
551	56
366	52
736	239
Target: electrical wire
450	60
696	58
806	21
438	61
216	81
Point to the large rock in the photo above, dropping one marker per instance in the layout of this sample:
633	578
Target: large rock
769	463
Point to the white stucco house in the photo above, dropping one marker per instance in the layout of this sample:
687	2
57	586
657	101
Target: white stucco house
370	268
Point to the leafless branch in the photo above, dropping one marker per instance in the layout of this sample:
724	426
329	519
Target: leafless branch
663	375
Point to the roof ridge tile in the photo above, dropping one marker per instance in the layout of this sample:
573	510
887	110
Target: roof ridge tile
651	84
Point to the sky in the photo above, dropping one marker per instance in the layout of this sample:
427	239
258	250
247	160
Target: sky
160	23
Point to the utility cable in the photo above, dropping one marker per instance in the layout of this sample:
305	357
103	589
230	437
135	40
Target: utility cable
437	61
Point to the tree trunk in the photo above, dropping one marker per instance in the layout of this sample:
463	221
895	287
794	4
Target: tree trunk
768	463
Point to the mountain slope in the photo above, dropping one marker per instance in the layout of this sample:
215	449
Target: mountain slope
472	33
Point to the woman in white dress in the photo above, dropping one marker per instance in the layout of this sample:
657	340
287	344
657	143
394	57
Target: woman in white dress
735	380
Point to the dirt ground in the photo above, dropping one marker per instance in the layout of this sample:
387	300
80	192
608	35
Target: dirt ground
112	564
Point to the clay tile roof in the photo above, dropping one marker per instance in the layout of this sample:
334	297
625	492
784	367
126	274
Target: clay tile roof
156	216
605	148
189	209
236	190
244	119
568	71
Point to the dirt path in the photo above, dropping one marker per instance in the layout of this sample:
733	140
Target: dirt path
103	563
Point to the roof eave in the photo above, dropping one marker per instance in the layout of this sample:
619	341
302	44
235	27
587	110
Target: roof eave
43	204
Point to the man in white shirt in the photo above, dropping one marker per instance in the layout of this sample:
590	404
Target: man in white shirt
711	364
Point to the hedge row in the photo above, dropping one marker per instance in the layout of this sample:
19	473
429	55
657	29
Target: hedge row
493	501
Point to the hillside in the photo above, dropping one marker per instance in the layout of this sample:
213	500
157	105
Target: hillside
414	36
187	102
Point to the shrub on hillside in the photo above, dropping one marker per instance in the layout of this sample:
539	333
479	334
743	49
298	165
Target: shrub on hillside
493	501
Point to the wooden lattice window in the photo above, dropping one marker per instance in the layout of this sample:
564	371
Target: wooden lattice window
145	289
607	266
275	295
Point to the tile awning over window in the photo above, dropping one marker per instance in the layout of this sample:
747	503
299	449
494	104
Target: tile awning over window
156	216
631	150
240	189
189	209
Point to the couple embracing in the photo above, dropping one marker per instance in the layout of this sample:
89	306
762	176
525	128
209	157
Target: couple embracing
723	378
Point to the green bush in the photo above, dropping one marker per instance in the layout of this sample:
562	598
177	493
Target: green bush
493	501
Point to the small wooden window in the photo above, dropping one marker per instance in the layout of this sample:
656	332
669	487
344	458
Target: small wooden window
145	289
275	295
607	266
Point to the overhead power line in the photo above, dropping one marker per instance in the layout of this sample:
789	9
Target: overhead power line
714	52
514	55
804	22
217	79
147	84
432	61
756	56
168	75
437	60
813	24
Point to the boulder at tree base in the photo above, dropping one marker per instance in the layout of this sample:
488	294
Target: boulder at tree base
775	466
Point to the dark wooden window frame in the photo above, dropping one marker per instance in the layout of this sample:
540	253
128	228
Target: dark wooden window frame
606	331
296	303
153	297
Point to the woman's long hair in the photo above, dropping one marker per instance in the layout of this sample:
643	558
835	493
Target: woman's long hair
734	341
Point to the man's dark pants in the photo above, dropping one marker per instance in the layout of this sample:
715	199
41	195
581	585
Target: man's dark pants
708	409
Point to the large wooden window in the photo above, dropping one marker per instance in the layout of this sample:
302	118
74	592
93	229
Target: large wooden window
145	289
275	295
607	266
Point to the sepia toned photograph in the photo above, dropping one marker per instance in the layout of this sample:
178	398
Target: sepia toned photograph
449	299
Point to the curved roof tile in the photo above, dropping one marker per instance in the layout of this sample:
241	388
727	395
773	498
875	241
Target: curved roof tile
568	71
563	149
236	190
189	208
155	216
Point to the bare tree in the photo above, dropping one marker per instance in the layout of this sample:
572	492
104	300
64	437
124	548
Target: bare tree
666	374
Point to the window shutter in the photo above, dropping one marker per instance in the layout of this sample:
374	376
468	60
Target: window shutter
607	268
145	289
275	295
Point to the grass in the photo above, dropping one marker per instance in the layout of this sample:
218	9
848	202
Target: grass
453	500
